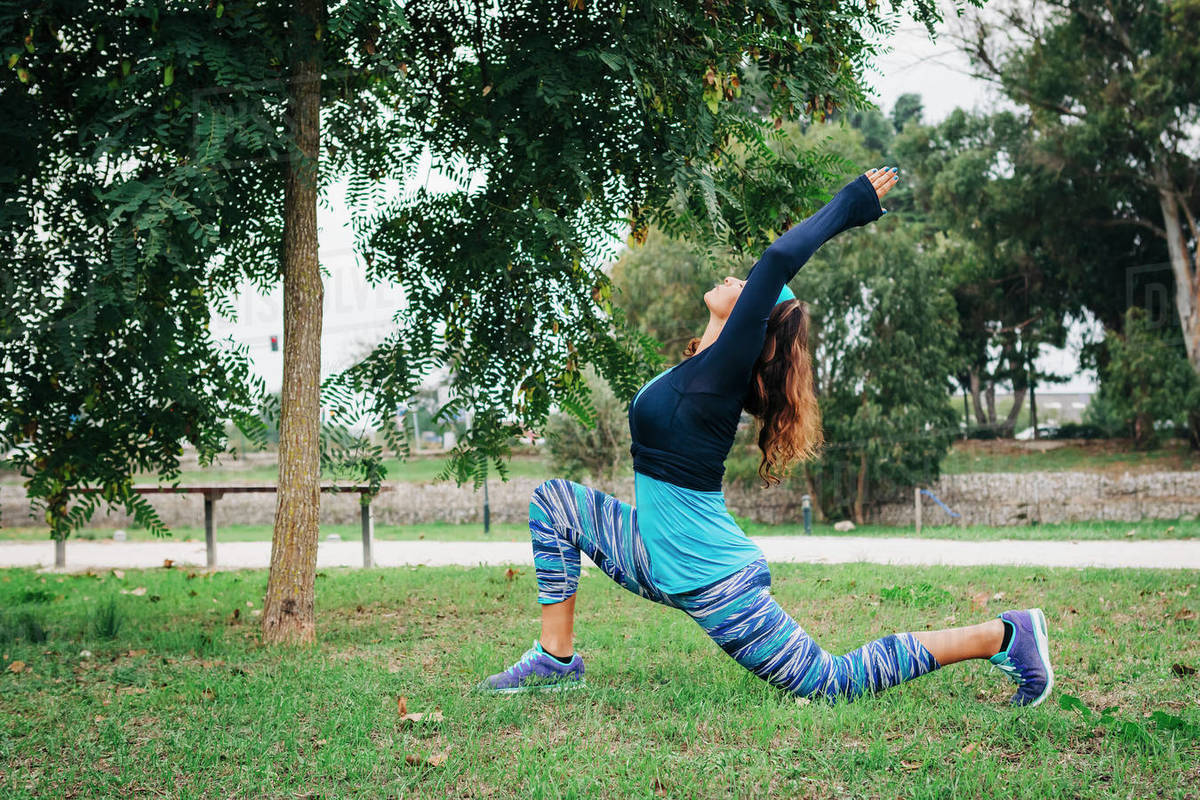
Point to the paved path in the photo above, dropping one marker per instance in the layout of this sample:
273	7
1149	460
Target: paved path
1164	554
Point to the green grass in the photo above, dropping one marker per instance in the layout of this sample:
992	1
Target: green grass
1071	456
182	701
519	532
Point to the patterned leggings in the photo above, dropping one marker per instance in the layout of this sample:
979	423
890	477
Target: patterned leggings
738	612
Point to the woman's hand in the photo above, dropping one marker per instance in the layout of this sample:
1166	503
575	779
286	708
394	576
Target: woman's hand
883	180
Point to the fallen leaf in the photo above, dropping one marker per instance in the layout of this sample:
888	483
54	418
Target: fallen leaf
803	701
131	690
138	592
208	694
1185	613
979	600
118	573
402	705
168	563
659	789
435	760
911	765
998	596
16	667
971	748
510	574
1182	670
136	653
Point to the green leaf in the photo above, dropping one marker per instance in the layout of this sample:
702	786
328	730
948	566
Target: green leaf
168	74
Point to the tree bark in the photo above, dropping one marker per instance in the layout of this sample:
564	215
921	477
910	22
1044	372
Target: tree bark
860	491
288	613
976	390
1010	422
1185	271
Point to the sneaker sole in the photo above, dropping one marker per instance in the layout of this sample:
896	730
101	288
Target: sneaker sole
566	686
1042	639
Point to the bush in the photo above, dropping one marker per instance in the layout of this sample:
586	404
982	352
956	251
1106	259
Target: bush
1148	383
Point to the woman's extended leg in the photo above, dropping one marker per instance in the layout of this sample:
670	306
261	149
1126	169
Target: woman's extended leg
740	615
959	644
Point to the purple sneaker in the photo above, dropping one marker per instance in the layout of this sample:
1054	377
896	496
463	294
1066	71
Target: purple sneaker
536	671
1027	659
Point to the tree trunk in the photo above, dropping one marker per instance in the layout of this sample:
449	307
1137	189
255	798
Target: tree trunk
976	388
1033	400
288	615
1185	271
989	395
860	490
1010	422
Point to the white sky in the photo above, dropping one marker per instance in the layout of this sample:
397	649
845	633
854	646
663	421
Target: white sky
358	315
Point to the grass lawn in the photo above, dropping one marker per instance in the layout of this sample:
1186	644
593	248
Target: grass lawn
1109	456
182	701
454	532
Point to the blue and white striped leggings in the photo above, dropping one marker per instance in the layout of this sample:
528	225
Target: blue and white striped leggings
738	612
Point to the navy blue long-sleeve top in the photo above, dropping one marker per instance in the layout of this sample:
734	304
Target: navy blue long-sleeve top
683	421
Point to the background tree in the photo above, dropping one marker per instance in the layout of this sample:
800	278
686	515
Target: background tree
979	179
885	327
599	451
1111	88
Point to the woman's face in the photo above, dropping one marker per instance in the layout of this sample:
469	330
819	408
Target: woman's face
721	298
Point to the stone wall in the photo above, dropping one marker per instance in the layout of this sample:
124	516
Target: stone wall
981	499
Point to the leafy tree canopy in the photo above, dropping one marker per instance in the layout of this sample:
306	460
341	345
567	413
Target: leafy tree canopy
143	175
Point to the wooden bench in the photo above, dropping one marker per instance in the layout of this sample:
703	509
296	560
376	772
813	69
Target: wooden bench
213	492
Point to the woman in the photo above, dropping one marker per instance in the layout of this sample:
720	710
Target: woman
680	547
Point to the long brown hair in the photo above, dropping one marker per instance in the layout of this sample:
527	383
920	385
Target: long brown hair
782	395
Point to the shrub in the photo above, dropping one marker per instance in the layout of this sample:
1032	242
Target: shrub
1149	382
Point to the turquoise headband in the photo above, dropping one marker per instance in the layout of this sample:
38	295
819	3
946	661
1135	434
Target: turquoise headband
786	294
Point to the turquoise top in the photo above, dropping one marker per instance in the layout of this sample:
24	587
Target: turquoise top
691	539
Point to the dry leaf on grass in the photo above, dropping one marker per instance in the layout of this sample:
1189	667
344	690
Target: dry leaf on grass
659	789
16	667
168	563
138	592
1183	670
434	760
979	600
971	748
136	653
118	574
1185	613
405	717
911	765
